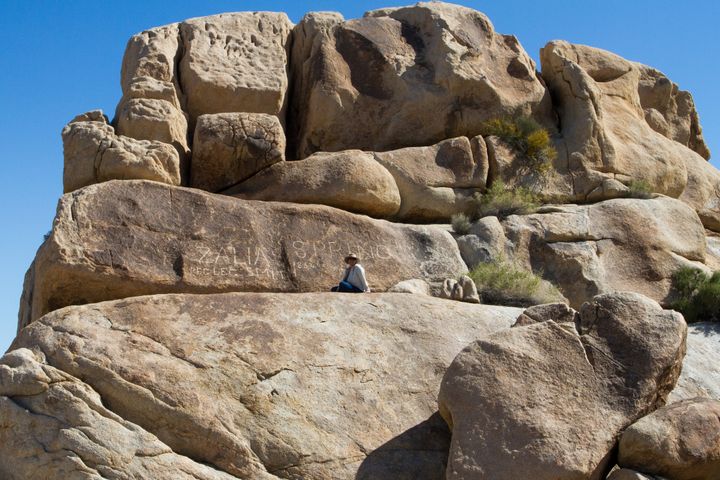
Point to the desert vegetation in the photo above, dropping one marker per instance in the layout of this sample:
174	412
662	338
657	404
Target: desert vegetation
698	295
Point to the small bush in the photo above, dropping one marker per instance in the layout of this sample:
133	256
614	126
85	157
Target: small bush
697	295
460	223
527	137
501	201
639	189
503	283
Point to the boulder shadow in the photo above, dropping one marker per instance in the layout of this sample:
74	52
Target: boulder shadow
418	453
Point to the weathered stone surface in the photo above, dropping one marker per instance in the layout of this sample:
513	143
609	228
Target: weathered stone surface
557	312
236	62
437	181
231	147
469	290
512	414
274	385
416	286
121	239
484	242
679	441
151	59
153	119
405	77
700	375
703	191
52	425
151	107
615	245
604	133
669	110
93	153
351	180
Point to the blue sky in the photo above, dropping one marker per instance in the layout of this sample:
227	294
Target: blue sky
61	58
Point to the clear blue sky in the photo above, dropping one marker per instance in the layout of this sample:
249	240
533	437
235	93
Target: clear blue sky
61	58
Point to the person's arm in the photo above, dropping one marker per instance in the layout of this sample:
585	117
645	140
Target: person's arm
363	281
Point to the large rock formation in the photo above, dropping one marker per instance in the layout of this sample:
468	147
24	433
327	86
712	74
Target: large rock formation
121	239
548	400
679	441
604	132
261	386
615	245
405	77
217	352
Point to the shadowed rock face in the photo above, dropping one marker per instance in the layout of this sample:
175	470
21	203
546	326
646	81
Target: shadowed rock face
275	385
123	238
548	400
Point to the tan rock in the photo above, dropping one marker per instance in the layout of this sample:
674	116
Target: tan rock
275	385
94	153
485	242
405	77
236	62
153	119
231	147
604	131
122	239
512	414
415	286
669	110
469	290
703	191
351	180
679	441
152	104
56	426
700	375
615	245
151	58
438	181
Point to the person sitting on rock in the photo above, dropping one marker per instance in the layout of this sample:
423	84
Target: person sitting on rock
353	279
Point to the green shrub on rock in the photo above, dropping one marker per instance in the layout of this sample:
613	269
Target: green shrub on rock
639	189
502	283
501	201
527	137
460	223
697	295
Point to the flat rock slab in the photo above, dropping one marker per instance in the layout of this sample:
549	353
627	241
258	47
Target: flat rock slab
548	400
127	238
263	385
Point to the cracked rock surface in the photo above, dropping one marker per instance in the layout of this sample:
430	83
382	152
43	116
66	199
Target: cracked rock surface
548	400
258	385
231	147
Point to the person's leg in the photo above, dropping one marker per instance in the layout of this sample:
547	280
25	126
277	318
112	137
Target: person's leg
356	289
345	287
